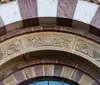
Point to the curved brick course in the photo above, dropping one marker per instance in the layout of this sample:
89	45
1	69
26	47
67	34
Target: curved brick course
48	70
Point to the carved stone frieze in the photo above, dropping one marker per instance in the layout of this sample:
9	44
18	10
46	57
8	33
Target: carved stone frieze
50	41
13	48
2	53
88	49
37	41
47	41
9	49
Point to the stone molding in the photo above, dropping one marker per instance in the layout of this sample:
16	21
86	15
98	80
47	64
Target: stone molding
50	41
17	78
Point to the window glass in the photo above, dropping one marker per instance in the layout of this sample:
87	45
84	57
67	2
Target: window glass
48	83
42	83
30	84
55	83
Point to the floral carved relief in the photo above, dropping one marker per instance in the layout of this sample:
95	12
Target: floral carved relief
2	53
9	49
37	41
13	48
50	41
88	49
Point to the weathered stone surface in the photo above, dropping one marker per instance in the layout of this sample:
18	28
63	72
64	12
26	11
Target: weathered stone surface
33	42
67	72
49	70
50	41
9	49
10	80
38	70
66	8
85	80
88	49
29	72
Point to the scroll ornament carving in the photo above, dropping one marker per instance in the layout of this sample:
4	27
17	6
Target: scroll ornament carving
37	41
2	53
13	48
65	42
88	49
10	49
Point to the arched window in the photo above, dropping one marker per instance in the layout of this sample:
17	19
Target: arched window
50	81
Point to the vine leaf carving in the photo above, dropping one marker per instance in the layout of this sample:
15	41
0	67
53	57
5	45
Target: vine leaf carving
2	53
13	48
58	41
88	49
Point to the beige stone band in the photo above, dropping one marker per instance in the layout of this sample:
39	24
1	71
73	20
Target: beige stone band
50	41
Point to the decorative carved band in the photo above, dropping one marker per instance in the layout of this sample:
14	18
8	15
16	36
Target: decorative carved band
50	41
88	49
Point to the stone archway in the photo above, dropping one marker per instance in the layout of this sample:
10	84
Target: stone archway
49	63
66	42
71	27
59	43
